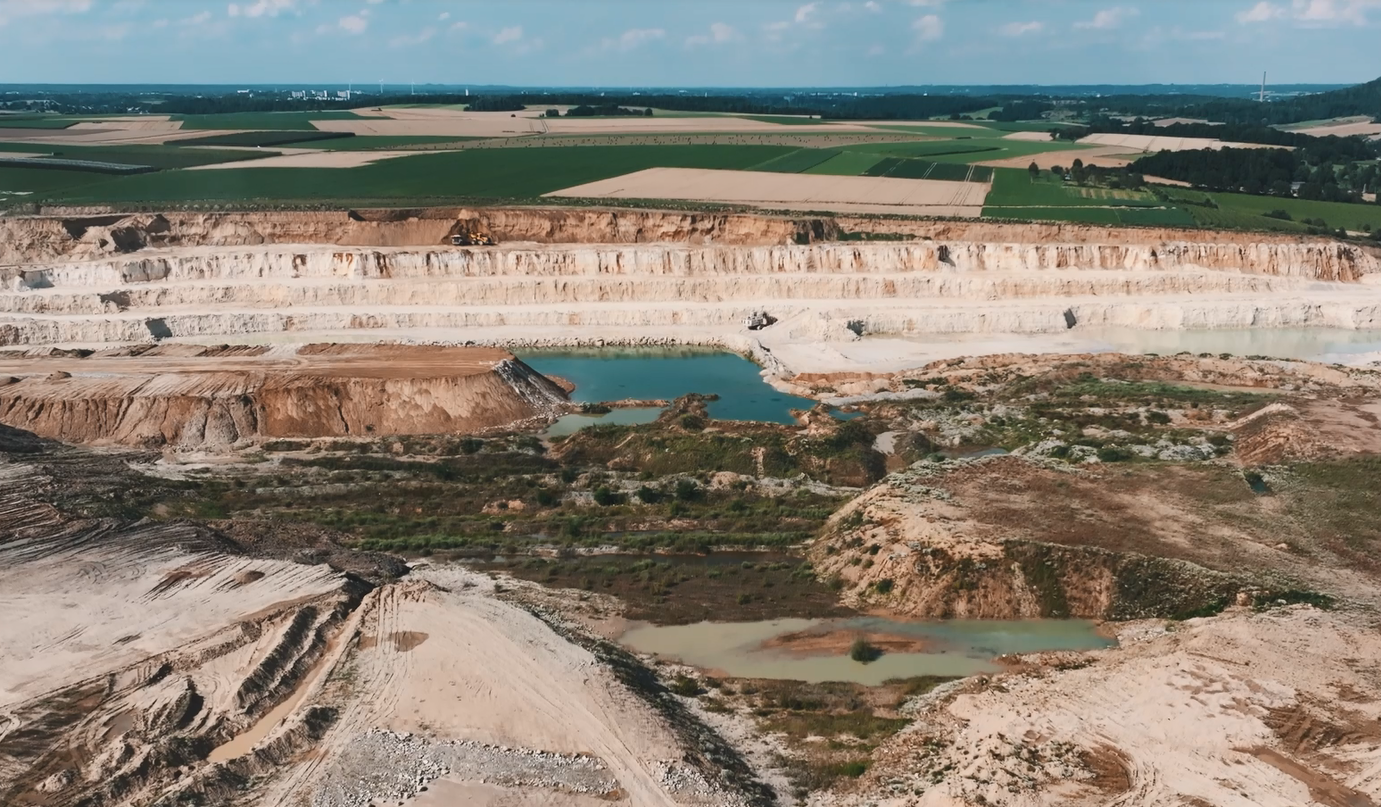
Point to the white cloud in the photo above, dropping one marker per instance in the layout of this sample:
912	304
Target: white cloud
872	5
406	41
805	13
262	8
928	28
12	9
196	19
1312	13
720	33
355	23
1108	19
511	34
445	15
1333	12
633	38
1022	28
1261	12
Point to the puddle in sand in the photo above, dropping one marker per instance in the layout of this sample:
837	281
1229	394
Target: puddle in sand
570	424
243	743
947	648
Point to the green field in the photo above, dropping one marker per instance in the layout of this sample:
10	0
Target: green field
16	184
499	174
273	121
1013	187
1356	217
900	168
846	164
795	162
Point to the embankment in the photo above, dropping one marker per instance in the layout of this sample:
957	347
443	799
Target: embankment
206	398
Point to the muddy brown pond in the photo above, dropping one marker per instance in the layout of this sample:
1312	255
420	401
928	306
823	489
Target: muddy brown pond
817	650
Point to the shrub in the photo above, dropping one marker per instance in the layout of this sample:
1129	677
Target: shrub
884	586
1283	215
1113	454
864	652
687	490
1157	418
692	423
685	686
649	495
547	498
604	497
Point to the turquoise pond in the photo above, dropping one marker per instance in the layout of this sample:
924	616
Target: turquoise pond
664	374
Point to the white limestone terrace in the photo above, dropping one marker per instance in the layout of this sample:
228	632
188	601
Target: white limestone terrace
681	293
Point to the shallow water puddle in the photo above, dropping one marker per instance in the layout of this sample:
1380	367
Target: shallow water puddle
814	651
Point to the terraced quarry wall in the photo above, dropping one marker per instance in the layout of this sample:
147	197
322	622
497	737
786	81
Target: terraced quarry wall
525	293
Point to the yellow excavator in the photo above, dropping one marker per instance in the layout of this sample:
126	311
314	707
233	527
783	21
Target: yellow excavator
472	239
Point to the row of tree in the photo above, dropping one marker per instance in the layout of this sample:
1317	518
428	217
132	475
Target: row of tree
1277	172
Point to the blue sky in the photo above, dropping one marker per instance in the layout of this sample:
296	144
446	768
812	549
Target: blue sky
690	42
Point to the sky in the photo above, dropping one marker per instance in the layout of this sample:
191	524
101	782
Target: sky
707	43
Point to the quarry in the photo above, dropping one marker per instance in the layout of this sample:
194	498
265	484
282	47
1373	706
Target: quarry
283	522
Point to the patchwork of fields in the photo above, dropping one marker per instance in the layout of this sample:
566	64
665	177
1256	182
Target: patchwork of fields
446	155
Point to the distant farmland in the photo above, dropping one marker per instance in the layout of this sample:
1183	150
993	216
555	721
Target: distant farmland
501	174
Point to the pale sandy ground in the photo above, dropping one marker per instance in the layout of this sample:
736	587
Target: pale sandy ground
1246	710
312	159
1343	127
1104	156
1152	143
1030	137
922	197
114	133
458	123
82	611
484	671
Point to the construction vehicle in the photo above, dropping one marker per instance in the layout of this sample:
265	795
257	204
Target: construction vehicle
758	320
472	239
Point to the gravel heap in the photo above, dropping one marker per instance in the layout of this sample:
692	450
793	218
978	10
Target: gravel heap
393	766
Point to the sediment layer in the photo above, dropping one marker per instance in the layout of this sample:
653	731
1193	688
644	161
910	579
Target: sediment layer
188	397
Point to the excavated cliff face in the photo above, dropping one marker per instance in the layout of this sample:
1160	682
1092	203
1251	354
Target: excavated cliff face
26	240
199	399
828	291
